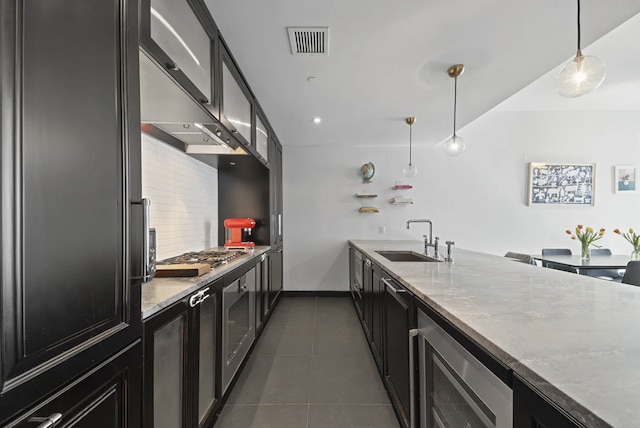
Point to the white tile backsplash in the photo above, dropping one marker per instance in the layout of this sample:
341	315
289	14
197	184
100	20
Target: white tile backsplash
184	199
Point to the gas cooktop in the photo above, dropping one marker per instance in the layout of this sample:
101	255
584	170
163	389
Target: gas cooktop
212	257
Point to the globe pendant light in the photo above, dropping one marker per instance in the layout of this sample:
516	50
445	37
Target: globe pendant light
582	74
410	170
455	144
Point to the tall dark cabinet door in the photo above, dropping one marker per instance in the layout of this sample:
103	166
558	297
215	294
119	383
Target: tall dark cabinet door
70	168
398	320
275	286
275	181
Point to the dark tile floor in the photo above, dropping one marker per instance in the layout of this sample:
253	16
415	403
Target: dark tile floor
311	368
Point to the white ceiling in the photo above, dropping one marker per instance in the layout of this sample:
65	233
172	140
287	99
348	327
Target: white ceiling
388	60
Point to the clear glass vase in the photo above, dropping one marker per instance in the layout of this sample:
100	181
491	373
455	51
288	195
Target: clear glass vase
636	253
585	252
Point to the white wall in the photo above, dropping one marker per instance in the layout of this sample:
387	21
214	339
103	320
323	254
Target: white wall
184	199
478	199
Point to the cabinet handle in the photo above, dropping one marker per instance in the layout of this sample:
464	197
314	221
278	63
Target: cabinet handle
279	224
199	297
392	288
173	66
49	422
263	257
412	383
367	262
146	246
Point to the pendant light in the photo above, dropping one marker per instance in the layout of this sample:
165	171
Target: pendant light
582	74
410	170
455	144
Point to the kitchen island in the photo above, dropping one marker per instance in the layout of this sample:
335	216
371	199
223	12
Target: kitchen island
575	339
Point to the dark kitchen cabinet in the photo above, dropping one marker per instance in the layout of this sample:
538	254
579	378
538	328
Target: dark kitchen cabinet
182	37
399	319
275	266
372	309
262	291
182	369
275	180
356	266
533	410
70	171
262	136
367	298
236	107
377	344
105	397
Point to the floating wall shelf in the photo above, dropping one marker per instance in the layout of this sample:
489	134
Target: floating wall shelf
368	210
402	187
401	201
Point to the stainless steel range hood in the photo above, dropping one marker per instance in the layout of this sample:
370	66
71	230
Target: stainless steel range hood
169	114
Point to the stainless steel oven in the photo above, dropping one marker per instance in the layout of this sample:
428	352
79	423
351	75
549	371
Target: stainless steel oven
238	323
457	390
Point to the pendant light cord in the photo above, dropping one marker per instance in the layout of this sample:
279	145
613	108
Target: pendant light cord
578	25
455	103
410	138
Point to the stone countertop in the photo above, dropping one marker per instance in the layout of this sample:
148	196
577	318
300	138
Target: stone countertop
575	338
160	293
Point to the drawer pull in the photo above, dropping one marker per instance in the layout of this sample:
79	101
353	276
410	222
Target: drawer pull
49	422
392	288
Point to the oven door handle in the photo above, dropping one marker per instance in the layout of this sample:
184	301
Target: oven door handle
199	297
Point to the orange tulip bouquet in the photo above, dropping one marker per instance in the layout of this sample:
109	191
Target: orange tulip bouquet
586	236
634	239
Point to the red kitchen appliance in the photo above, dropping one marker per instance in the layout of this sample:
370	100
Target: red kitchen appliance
237	232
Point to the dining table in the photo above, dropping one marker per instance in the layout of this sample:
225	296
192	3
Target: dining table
615	262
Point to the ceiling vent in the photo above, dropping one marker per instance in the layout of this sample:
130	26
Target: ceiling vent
309	40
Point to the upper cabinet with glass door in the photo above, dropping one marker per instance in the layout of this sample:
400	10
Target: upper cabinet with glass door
181	36
236	105
262	138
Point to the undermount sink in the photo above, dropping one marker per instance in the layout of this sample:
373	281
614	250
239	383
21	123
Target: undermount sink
406	256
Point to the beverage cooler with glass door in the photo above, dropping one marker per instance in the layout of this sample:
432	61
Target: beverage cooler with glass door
456	389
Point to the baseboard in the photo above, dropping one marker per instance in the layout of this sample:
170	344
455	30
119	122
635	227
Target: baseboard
316	294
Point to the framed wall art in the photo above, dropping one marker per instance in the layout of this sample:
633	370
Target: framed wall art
624	179
561	184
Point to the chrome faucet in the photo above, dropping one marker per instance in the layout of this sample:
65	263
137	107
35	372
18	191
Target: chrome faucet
428	239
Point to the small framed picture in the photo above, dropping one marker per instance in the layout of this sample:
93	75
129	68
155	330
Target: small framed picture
624	179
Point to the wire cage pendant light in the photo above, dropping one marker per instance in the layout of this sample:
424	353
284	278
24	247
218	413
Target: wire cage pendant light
582	74
455	144
410	170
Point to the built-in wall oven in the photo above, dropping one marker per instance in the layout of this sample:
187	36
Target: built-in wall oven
457	390
357	284
238	323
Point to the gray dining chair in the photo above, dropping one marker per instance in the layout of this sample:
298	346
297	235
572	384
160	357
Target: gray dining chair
632	273
557	252
524	258
608	274
600	252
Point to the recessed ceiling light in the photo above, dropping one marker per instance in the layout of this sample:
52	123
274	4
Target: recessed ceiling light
317	120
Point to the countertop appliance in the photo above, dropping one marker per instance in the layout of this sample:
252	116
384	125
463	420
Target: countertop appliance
238	231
